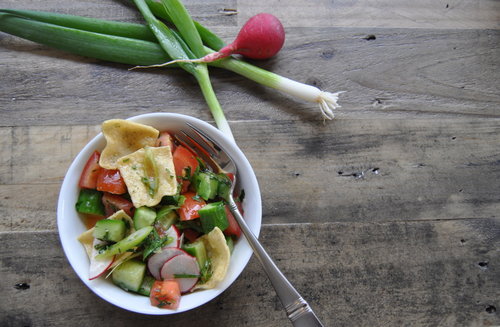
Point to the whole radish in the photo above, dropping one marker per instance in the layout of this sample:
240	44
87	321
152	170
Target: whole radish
261	37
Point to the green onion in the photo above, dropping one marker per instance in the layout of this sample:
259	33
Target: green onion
177	51
105	40
209	39
327	101
129	30
184	24
186	276
89	44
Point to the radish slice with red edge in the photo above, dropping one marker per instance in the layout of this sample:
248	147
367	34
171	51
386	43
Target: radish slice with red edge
157	260
98	266
175	235
181	268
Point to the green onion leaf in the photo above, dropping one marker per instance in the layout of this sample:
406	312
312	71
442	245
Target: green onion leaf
184	24
186	276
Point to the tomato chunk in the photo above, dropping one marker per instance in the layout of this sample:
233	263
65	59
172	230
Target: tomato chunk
191	234
113	203
183	158
190	207
91	220
165	139
233	229
110	180
165	294
88	178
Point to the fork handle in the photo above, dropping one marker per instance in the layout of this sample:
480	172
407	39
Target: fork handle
298	310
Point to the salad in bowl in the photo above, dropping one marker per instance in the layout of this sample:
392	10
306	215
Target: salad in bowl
143	220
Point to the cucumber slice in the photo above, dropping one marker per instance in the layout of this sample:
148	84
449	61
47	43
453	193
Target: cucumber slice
224	186
130	275
197	249
166	217
213	215
89	202
230	243
206	184
144	216
147	284
128	243
110	230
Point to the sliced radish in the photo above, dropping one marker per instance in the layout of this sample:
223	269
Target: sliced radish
175	235
181	240
182	265
98	266
157	260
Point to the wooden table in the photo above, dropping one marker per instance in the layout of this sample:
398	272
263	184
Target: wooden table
386	216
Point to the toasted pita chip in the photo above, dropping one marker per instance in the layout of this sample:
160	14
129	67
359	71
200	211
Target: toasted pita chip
133	172
87	238
219	254
124	137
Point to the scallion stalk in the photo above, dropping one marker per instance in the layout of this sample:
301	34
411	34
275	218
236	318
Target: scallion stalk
89	44
177	51
125	43
109	27
327	101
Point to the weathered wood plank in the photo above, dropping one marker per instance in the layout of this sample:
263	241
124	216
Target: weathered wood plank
483	14
208	12
346	170
379	13
433	273
402	74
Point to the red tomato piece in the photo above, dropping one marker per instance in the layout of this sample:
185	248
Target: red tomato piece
110	180
165	139
190	207
113	203
91	220
183	158
233	229
165	294
191	234
88	178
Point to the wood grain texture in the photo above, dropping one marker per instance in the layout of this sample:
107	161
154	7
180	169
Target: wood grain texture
386	216
434	273
449	14
380	13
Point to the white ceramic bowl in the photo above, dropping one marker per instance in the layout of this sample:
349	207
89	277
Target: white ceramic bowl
70	224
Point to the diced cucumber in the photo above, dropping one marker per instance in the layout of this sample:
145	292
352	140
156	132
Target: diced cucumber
112	230
128	243
144	216
206	184
130	275
166	217
197	249
224	186
176	200
230	243
89	202
213	215
147	284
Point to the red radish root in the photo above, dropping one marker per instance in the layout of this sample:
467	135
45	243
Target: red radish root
261	37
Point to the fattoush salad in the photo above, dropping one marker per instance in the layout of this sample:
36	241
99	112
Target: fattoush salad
157	221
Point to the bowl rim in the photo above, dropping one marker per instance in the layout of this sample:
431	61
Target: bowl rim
71	244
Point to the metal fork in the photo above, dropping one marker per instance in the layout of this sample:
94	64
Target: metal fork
298	310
